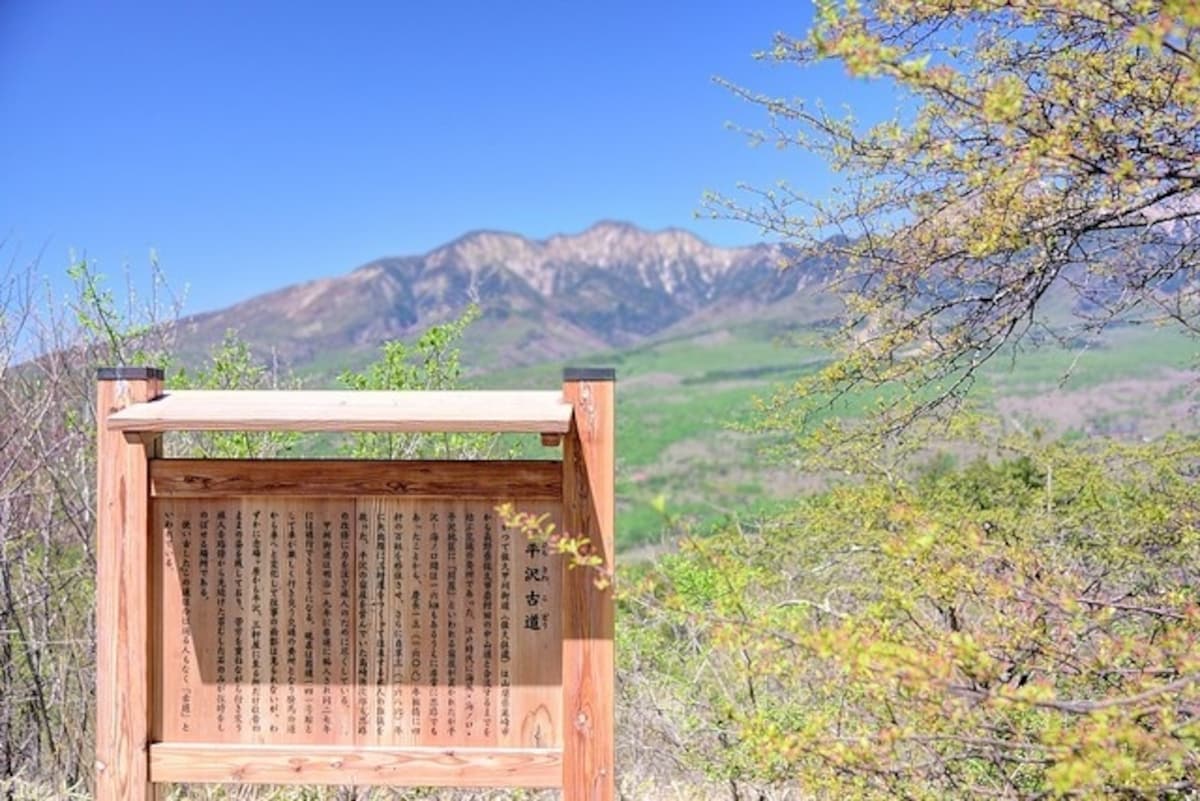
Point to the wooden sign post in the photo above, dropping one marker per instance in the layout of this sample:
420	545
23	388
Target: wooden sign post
351	622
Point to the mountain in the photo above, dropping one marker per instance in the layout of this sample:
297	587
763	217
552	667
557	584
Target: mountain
613	285
697	333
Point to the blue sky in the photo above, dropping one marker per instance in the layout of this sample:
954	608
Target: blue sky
257	144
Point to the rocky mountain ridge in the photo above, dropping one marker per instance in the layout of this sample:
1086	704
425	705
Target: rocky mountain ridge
611	285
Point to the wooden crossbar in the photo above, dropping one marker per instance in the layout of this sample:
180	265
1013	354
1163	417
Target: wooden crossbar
360	765
217	478
495	411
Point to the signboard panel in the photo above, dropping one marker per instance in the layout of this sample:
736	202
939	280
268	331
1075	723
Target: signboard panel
351	621
371	620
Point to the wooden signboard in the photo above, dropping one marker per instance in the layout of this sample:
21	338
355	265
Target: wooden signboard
351	622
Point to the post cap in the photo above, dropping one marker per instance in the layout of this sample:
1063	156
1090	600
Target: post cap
589	374
129	373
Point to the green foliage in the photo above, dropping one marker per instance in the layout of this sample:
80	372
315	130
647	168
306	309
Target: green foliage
434	363
127	334
578	552
1038	185
230	366
96	312
1021	628
679	396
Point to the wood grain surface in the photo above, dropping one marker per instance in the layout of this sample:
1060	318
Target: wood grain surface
206	478
374	621
588	612
359	765
501	411
123	642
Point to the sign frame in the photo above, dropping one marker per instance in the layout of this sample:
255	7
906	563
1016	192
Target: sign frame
134	762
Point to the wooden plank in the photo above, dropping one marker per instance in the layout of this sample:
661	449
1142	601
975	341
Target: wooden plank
123	585
359	765
588	669
252	649
321	410
537	694
374	620
200	478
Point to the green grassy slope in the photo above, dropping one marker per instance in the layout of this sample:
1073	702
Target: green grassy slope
679	397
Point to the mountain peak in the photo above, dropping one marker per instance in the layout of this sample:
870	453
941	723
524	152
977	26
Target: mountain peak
485	248
611	242
613	226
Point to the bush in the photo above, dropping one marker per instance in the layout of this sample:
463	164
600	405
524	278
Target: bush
1024	628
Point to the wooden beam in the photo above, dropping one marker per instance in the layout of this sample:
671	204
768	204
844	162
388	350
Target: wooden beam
589	511
123	637
533	412
503	480
361	765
